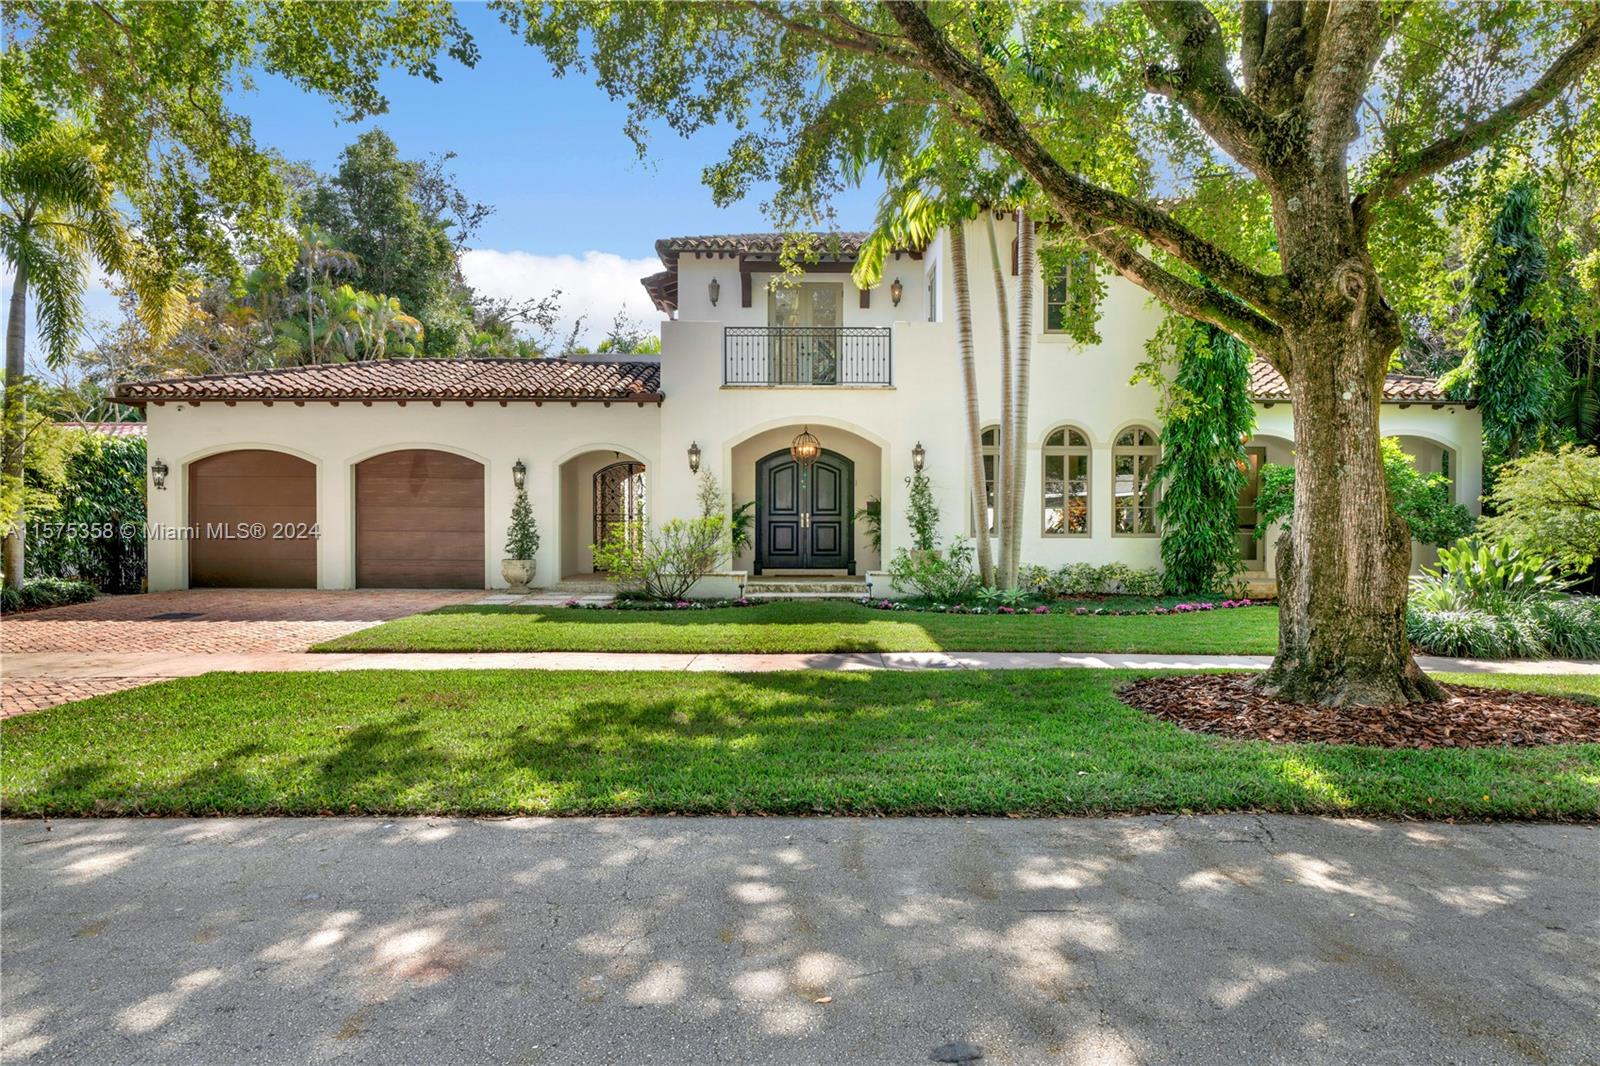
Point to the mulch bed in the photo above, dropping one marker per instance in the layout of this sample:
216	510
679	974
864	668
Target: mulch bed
1227	705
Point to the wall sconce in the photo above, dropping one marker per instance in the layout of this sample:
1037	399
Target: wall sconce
158	474
519	474
714	290
896	290
694	456
919	455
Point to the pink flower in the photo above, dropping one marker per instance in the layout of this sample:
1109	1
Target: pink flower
1006	610
1081	610
1041	609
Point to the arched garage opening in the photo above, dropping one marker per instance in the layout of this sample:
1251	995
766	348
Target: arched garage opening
252	516
419	520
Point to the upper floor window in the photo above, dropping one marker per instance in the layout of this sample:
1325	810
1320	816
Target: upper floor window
1133	464
808	303
991	466
1066	483
933	295
1061	303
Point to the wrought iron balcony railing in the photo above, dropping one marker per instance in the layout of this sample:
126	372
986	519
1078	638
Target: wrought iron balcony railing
807	355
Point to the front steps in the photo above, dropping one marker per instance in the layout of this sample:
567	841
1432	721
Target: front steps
804	588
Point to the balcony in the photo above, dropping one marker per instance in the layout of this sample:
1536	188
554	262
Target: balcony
843	356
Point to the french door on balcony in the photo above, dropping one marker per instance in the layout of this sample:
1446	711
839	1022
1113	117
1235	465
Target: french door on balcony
805	347
804	515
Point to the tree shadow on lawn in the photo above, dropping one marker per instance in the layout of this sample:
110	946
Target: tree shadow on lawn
976	742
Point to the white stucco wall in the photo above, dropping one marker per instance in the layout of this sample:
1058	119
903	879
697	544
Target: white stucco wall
1085	386
336	438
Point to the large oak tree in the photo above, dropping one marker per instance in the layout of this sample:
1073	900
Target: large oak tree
1298	156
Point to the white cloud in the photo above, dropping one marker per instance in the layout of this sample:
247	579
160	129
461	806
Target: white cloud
596	285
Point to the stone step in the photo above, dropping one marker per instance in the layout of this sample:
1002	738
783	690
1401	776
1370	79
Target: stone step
754	587
858	594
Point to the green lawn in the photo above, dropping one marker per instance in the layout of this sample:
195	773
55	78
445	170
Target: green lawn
1027	742
810	628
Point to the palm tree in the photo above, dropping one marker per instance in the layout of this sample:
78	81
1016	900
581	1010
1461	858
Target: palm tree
1005	472
969	382
386	324
1027	259
319	254
60	219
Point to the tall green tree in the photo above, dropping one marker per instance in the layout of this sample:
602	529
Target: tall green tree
59	222
153	83
1207	417
388	213
1512	368
1291	153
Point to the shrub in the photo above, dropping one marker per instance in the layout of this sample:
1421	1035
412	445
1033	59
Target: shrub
1422	500
522	538
1147	582
1490	577
39	592
871	516
98	485
1077	579
943	577
1546	502
922	513
1474	633
1571	625
664	564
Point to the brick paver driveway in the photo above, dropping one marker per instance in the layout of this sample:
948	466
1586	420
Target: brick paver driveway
196	622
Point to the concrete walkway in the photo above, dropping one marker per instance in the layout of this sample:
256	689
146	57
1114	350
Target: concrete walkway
1155	940
85	666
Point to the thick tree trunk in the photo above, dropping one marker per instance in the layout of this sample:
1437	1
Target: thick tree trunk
16	410
1342	577
969	383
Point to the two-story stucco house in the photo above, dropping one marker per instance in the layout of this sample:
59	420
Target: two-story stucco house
406	469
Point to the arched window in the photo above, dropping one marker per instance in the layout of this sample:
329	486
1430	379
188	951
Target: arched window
1066	483
991	467
1133	462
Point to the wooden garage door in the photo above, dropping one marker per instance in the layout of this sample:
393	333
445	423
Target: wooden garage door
252	513
419	521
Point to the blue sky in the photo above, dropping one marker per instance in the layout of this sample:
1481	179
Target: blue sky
575	208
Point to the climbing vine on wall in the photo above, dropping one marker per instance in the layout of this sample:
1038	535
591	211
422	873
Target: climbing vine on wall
1207	414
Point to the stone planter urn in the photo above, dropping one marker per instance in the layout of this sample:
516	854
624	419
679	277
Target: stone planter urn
517	572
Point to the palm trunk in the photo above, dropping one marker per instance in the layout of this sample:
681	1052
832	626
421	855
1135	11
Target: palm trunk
1003	470
16	412
969	382
1019	478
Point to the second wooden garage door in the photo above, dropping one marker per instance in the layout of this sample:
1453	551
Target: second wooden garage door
419	521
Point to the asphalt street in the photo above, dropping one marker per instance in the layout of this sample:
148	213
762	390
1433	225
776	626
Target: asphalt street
1148	940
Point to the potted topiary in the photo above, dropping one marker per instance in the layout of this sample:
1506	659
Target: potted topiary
522	544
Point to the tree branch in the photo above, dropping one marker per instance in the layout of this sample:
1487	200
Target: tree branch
1402	173
1203	84
1345	55
1252	38
1071	194
871	45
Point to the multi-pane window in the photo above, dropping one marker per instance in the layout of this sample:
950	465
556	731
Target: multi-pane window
1133	464
933	295
1061	303
1066	483
991	466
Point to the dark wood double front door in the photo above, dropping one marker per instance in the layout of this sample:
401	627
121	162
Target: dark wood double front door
805	515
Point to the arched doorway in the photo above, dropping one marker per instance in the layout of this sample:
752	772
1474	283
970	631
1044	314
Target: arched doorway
805	514
619	500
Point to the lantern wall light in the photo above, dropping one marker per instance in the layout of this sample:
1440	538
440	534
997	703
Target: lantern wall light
806	448
158	473
519	473
896	290
919	455
694	457
714	290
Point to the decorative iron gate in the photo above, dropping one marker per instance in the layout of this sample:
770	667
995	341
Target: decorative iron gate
619	502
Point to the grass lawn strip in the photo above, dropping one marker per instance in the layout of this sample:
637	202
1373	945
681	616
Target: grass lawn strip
812	628
1002	742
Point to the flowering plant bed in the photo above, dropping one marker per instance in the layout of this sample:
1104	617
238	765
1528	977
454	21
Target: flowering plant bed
1101	606
628	603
